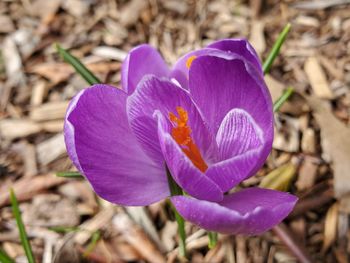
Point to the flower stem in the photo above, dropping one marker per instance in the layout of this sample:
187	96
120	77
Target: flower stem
213	239
175	189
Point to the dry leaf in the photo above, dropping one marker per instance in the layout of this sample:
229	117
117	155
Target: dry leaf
280	178
335	141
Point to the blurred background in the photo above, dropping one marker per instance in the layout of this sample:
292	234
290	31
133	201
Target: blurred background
311	156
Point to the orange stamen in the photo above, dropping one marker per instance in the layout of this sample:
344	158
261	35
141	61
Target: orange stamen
181	133
189	61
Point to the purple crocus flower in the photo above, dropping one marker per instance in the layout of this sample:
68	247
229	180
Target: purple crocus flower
209	118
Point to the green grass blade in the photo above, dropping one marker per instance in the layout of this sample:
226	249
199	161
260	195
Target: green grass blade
213	239
93	242
78	66
22	231
276	48
70	174
4	258
284	97
64	230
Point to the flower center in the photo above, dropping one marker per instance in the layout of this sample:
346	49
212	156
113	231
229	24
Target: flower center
181	133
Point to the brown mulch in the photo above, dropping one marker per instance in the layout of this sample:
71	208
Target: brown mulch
63	216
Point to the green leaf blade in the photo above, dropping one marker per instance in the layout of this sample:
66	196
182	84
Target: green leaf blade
281	100
22	231
78	66
4	258
276	48
69	175
213	239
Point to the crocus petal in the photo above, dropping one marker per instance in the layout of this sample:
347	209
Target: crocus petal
68	132
240	47
237	134
242	149
140	61
184	172
251	211
218	85
180	71
107	151
154	94
229	173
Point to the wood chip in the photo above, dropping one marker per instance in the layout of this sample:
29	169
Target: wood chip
38	214
241	249
134	235
49	111
307	21
12	128
42	7
257	38
307	174
27	152
18	128
49	150
330	230
55	72
90	226
6	24
319	4
131	12
77	8
27	187
13	61
275	87
38	93
109	53
287	136
308	141
141	217
317	78
216	255
168	235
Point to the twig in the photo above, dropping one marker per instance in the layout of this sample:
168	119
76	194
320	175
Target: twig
285	236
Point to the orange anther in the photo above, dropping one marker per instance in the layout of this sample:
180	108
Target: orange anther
189	61
181	133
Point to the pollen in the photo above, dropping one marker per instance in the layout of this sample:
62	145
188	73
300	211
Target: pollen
189	61
181	133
